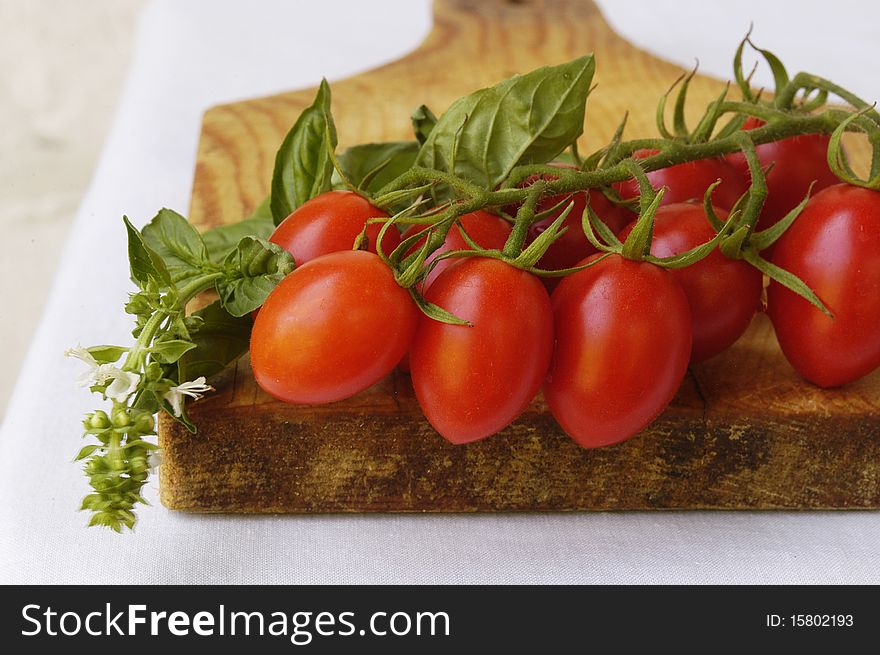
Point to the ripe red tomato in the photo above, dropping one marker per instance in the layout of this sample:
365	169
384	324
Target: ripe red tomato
833	246
335	326
623	339
689	181
797	162
723	294
473	381
485	229
331	222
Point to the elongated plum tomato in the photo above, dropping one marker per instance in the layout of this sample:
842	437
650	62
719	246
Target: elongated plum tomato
689	181
486	230
797	162
331	222
623	339
335	326
473	381
833	246
723	294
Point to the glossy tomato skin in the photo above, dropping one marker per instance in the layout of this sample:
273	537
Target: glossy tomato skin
689	181
485	229
797	162
623	340
331	222
335	326
723	294
473	381
833	246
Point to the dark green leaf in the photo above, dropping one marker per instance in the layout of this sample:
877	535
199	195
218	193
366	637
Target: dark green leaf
146	266
178	243
146	399
303	166
371	166
527	119
252	270
170	350
222	240
220	340
423	121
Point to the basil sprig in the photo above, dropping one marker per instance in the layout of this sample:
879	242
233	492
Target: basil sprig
304	163
526	119
174	354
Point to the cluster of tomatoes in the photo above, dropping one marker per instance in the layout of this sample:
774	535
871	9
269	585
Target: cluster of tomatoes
609	344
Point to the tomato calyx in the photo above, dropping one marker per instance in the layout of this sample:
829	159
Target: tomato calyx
637	245
744	243
838	161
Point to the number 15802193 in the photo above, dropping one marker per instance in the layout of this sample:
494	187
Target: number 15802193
809	621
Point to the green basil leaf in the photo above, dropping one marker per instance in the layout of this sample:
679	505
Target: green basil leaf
147	400
178	243
147	267
222	240
527	119
423	121
220	339
252	270
85	451
303	166
371	166
170	350
107	354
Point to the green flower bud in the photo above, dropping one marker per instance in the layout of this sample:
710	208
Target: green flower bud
101	483
99	420
144	424
193	322
94	466
121	418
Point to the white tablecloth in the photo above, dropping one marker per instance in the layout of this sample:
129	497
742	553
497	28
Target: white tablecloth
195	53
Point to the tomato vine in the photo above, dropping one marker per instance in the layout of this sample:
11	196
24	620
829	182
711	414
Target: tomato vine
497	149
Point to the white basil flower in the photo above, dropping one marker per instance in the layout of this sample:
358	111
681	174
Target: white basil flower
195	389
123	383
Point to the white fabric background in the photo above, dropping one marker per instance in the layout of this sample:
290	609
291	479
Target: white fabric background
194	53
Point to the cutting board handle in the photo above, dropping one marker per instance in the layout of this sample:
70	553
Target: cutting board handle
514	10
516	27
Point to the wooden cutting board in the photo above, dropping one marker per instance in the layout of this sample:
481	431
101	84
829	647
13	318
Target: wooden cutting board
743	432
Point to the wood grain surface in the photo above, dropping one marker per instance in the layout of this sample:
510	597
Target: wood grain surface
743	432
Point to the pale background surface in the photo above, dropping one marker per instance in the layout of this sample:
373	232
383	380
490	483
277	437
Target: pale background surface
62	65
62	69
